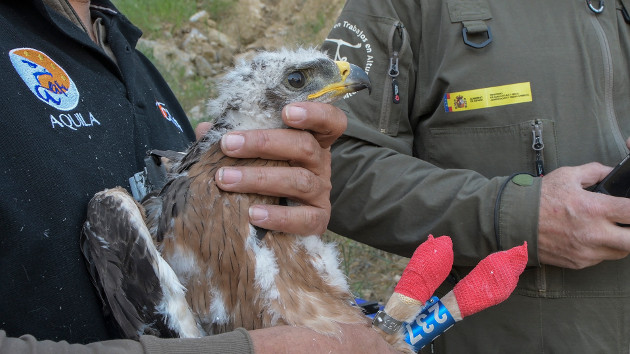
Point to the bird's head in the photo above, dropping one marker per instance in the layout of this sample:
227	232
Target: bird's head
253	94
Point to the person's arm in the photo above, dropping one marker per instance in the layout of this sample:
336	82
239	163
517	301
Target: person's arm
393	201
272	340
236	342
384	194
297	340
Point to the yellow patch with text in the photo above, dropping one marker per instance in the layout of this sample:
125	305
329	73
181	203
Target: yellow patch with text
488	97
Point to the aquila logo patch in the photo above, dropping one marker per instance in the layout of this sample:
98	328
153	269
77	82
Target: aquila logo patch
48	81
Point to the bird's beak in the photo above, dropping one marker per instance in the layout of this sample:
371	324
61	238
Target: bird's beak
353	79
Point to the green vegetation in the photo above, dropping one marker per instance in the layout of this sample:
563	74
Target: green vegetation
307	31
155	17
158	18
311	29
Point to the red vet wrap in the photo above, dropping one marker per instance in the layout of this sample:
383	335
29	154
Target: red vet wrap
430	264
491	281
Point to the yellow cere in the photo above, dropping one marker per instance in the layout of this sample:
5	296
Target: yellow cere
344	71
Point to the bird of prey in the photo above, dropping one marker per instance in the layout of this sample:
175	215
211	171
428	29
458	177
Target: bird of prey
187	262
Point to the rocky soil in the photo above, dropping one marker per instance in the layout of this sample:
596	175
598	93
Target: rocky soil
204	48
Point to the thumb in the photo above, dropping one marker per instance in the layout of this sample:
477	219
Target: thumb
592	173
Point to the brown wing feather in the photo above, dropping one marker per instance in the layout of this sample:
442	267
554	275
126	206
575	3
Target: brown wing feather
121	266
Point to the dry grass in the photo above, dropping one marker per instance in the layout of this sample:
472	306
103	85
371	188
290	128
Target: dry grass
372	273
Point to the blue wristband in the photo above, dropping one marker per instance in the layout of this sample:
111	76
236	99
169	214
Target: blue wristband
433	320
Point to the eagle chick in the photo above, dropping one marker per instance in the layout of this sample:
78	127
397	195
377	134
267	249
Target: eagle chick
205	269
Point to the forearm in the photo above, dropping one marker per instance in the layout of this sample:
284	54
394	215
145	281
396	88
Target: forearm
287	339
393	201
29	344
236	342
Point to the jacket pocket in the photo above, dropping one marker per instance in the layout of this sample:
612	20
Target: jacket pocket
494	151
381	45
388	123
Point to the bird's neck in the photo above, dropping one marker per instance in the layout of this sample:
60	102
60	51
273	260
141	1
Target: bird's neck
246	119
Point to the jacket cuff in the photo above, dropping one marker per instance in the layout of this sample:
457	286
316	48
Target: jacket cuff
516	215
235	342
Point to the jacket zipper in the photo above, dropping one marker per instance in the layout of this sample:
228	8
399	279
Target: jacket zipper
393	73
392	96
608	87
538	145
539	166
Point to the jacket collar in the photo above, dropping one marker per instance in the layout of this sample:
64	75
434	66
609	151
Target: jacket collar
60	14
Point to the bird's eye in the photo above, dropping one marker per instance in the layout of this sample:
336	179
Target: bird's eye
296	79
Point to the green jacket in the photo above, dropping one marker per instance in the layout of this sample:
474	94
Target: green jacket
432	150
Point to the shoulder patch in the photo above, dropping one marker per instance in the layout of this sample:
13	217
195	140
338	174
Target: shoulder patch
48	81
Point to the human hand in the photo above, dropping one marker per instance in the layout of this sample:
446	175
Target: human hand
578	228
201	129
307	180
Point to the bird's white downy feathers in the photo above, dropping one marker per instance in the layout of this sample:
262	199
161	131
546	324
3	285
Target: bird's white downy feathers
246	91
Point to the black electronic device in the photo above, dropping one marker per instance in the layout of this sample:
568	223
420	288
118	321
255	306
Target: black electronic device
617	183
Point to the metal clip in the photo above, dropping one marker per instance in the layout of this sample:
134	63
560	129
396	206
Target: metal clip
598	10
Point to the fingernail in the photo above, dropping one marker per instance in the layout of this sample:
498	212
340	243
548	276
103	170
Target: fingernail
231	142
229	175
258	214
295	113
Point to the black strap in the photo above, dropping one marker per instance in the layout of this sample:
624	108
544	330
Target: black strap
473	15
497	205
625	4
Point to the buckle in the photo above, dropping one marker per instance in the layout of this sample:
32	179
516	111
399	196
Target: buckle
473	44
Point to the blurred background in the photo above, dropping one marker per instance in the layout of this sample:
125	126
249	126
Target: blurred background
193	42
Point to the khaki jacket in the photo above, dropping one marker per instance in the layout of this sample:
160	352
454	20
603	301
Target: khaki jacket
435	147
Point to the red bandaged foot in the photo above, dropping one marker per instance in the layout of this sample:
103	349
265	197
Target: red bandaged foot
491	281
427	269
